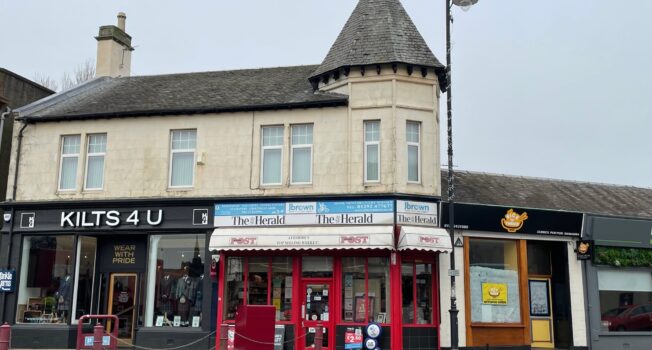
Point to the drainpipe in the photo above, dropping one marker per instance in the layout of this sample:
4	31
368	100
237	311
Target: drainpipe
2	123
20	143
13	198
2	128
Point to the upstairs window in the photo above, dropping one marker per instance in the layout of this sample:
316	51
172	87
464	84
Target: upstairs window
95	153
272	154
301	154
182	157
372	151
413	138
69	159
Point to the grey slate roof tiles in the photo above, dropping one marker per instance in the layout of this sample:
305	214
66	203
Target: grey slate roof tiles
530	192
378	31
205	92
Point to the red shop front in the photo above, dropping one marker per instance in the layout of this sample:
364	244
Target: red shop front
337	277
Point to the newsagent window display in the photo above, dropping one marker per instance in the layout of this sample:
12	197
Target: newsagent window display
46	282
493	279
178	278
268	281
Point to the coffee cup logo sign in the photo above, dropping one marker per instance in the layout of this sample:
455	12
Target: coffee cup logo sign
124	254
111	218
513	221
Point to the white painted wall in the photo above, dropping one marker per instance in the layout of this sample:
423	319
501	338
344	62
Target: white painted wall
445	298
578	305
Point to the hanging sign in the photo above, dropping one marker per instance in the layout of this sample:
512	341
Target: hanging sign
7	281
362	212
584	250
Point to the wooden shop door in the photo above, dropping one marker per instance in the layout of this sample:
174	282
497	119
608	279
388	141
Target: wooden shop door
122	303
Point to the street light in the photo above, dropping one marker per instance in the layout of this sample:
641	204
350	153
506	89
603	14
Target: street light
465	4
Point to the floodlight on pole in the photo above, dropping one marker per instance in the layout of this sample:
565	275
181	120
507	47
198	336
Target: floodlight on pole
465	4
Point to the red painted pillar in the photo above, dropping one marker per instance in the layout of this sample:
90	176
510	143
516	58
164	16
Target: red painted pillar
319	338
98	334
5	337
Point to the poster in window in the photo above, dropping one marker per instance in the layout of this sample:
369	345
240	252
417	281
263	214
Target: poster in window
360	308
494	293
539	301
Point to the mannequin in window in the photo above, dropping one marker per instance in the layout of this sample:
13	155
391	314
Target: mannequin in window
198	299
181	292
165	296
62	296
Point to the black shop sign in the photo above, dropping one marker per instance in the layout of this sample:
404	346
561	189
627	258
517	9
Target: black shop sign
514	220
123	254
114	219
617	232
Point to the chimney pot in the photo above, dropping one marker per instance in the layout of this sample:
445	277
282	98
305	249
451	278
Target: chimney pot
122	17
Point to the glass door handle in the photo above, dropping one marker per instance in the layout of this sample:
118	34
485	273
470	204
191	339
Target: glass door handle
303	311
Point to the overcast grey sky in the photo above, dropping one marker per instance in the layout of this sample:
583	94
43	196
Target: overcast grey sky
548	88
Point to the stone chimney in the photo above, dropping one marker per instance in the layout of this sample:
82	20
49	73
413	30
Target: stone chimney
114	50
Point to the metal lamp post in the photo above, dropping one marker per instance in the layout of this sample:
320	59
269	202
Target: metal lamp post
465	4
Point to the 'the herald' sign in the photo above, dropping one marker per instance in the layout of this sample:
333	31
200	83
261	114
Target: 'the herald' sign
360	212
416	213
7	280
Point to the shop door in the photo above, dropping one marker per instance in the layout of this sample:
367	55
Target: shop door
541	313
316	310
122	302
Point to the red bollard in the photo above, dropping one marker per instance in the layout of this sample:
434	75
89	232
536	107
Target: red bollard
319	337
5	337
98	334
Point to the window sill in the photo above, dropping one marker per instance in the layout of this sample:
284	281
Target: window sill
180	189
92	190
270	186
301	184
499	325
624	333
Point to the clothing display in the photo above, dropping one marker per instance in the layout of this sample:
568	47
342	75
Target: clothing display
198	299
164	299
62	296
179	296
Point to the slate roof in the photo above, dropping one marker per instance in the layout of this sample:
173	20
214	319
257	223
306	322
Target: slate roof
378	31
530	192
188	93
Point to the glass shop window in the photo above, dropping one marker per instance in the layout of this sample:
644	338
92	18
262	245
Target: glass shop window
493	277
260	288
234	287
366	290
625	300
176	297
417	293
317	266
86	248
46	282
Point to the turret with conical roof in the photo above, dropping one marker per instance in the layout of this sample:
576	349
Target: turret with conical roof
378	32
393	83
